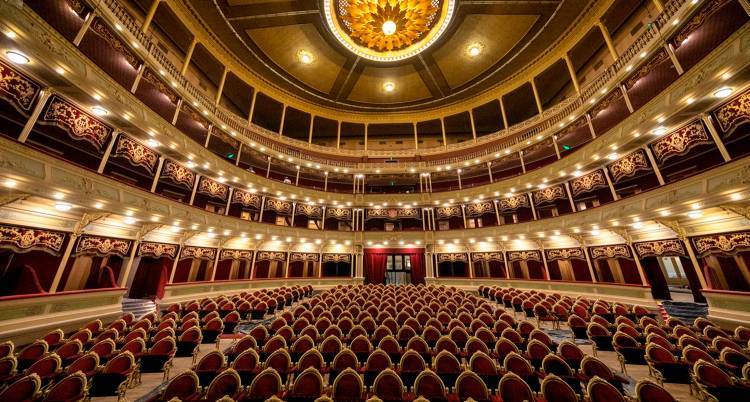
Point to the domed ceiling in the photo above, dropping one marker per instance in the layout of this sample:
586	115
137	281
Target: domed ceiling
395	55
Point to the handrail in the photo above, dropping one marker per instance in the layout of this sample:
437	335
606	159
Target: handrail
510	136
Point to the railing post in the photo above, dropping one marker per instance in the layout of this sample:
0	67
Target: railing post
44	95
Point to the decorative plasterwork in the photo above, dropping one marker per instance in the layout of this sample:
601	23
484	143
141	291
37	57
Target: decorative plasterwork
78	6
681	141
304	257
310	211
24	240
246	199
198	253
698	19
549	194
213	188
452	257
479	208
574	253
178	174
526	255
342	214
337	258
236	255
392	213
657	248
271	256
730	243
226	138
359	25
151	77
614	251
157	250
613	96
513	203
108	36
488	256
592	181
17	89
447	212
77	123
629	165
733	113
135	153
102	246
647	67
195	115
281	207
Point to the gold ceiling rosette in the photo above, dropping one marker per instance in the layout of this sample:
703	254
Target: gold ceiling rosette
388	30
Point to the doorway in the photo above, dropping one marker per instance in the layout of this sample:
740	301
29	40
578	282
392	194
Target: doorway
398	269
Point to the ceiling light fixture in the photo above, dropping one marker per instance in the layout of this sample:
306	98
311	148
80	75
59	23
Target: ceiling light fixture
17	57
475	49
723	92
389	86
99	111
63	206
305	57
389	27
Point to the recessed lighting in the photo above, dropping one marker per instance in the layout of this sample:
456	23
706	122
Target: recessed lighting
10	34
695	214
60	70
129	220
723	92
305	57
659	130
63	206
389	86
98	205
736	196
17	57
10	183
475	49
389	27
99	111
153	143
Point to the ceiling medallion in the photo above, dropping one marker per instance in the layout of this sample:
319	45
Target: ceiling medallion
388	30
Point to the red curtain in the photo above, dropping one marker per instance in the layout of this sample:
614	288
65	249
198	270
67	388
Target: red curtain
375	260
417	267
375	267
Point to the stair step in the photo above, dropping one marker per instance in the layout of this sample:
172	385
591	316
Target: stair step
139	307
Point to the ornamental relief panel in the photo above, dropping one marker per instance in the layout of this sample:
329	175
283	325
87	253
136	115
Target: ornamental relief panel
729	243
151	77
245	198
337	258
613	96
195	115
680	142
733	113
448	212
615	251
77	6
102	246
135	153
342	214
646	68
698	19
309	210
281	207
157	250
564	254
549	194
198	253
592	181
392	213
78	124
480	208
213	188
669	247
489	256
528	255
305	257
629	165
271	256
513	203
178	174
227	254
452	257
23	240
17	89
108	36
226	138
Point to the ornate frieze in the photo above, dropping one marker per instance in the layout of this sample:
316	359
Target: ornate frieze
337	258
108	36
78	6
452	257
392	213
613	96
226	138
629	165
614	251
681	141
448	212
198	253
23	240
17	89
479	208
657	248
77	123
342	214
733	113
281	207
227	254
157	250
487	256
310	211
574	253
195	115
513	203
102	246
271	256
526	255
592	181
728	243
647	67
213	188
136	153
698	19
178	174
304	257
151	77
549	194
247	199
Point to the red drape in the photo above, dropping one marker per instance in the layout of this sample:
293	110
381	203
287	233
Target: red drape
417	267
375	267
375	260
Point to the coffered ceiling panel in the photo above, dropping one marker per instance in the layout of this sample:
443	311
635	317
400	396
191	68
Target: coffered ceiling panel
408	85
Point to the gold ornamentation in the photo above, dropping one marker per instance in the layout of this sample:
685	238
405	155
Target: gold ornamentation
613	96
236	255
304	257
479	208
629	165
588	182
447	212
16	88
225	138
246	199
213	188
104	32
527	255
342	214
281	207
78	124
154	80
564	254
198	253
77	6
729	243
733	113
197	117
616	251
646	68
698	19
669	247
549	194
681	141
392	213
489	256
513	203
157	250
23	240
136	153
178	174
452	257
337	258
102	246
271	256
310	211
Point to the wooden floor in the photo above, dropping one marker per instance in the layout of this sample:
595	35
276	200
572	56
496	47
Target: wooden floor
149	381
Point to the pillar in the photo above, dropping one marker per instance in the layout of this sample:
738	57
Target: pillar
570	197
615	196
641	272
195	188
188	56
150	15
310	130
44	95
694	260
502	113
709	122
523	165
159	167
416	138
489	171
572	73
137	79
175	262
473	128
338	135
442	130
222	81
673	57
608	40
533	207
557	147
107	152
654	166
536	97
125	272
85	27
64	261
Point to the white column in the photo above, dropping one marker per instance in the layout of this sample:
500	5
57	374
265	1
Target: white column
654	166
63	262
188	56
195	188
85	27
158	174
125	273
44	95
107	152
150	15
709	122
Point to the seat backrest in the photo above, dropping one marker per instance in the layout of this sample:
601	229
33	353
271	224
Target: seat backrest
515	363
46	366
412	362
23	389
647	390
470	385
344	359
266	384
555	389
554	364
123	363
213	360
482	364
246	361
227	383
279	360
311	358
135	346
35	350
446	363
378	361
513	388
308	384
388	386
600	390
347	386
70	388
429	385
710	375
181	386
593	367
